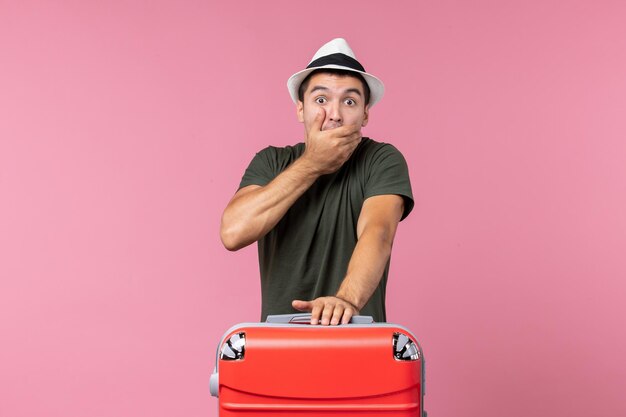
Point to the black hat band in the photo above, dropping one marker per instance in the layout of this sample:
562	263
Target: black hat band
337	59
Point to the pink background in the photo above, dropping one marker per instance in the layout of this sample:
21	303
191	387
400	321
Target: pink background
126	126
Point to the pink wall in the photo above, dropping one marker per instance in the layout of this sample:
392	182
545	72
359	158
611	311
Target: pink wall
125	128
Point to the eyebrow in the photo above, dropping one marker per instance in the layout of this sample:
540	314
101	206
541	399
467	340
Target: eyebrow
349	90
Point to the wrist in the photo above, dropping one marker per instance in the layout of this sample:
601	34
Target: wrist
308	167
350	300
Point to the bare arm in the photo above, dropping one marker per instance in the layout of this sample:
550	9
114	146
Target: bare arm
255	210
376	229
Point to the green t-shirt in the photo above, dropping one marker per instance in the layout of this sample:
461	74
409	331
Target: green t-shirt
306	254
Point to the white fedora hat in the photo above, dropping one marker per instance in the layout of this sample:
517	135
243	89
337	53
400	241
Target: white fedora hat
336	54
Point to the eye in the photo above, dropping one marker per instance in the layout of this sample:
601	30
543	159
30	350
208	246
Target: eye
320	100
350	102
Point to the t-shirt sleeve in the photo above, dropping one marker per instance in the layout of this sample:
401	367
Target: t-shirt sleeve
261	170
389	174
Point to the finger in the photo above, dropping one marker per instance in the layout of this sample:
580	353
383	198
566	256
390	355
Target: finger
356	136
353	142
337	313
347	315
318	121
348	130
349	139
316	313
327	314
302	305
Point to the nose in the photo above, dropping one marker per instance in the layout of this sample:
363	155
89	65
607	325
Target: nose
334	113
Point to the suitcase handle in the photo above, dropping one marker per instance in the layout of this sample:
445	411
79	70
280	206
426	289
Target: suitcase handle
305	318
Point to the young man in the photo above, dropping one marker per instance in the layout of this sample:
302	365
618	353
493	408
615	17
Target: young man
324	212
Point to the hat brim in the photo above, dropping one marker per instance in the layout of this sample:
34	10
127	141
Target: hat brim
377	88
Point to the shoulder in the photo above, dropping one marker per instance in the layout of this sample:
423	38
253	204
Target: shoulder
281	152
374	151
277	158
268	163
387	173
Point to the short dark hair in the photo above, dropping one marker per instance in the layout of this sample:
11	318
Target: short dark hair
334	71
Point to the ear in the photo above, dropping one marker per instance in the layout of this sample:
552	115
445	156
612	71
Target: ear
300	111
367	115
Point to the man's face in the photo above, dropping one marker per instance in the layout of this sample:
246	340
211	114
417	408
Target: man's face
341	97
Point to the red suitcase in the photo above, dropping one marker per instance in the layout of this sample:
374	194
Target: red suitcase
287	367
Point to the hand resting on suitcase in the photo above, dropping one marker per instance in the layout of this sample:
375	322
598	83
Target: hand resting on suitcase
328	310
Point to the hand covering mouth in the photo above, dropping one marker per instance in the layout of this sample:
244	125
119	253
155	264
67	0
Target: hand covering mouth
331	125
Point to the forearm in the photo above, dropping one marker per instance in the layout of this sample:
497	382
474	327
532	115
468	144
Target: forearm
249	217
366	267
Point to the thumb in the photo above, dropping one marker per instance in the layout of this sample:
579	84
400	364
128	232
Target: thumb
302	305
319	120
